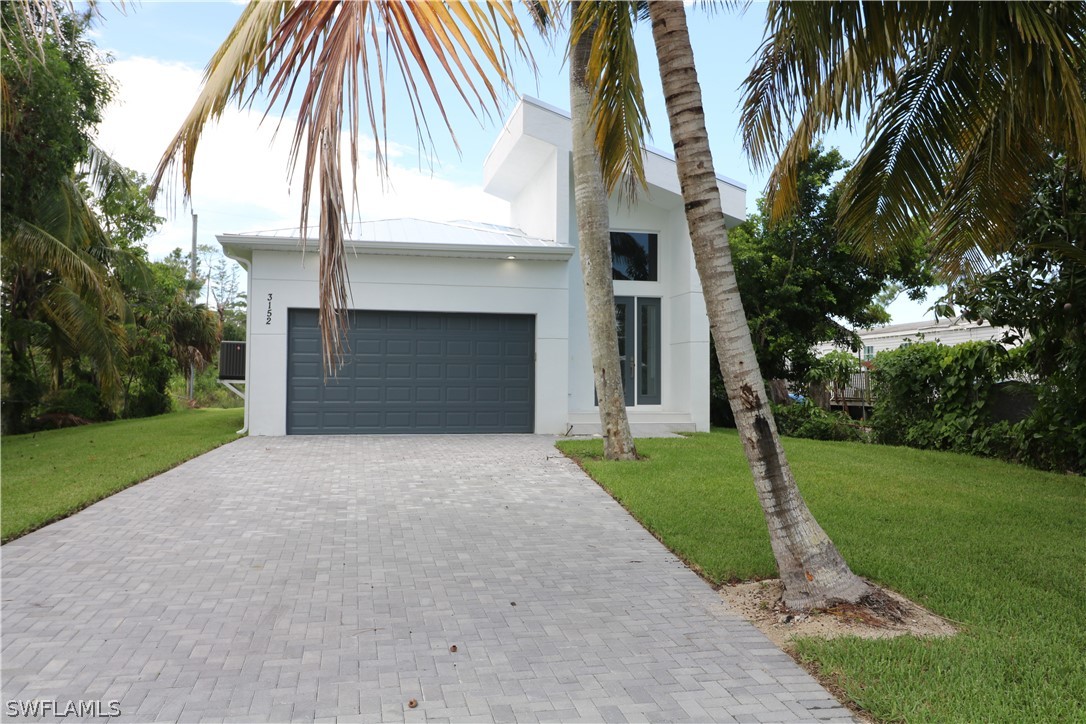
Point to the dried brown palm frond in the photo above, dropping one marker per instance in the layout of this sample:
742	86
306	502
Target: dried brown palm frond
336	55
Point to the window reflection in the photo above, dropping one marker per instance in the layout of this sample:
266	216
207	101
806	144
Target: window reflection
633	256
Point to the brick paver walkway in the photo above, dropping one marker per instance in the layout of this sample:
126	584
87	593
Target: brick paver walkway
327	578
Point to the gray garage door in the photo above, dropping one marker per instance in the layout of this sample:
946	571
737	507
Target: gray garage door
413	372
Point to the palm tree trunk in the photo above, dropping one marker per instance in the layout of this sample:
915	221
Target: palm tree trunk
594	243
812	570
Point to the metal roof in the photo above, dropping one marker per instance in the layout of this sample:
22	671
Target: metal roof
410	237
421	231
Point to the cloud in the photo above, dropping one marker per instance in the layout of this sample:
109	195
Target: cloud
240	182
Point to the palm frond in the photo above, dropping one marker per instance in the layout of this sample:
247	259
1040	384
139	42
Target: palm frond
338	54
102	172
618	113
92	326
964	99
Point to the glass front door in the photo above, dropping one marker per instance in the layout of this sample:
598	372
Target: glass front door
637	320
627	333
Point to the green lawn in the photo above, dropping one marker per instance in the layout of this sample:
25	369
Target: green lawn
998	547
46	476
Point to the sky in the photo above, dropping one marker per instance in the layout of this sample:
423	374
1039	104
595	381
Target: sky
242	182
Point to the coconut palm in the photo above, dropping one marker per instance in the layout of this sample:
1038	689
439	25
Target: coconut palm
336	56
609	122
964	103
812	570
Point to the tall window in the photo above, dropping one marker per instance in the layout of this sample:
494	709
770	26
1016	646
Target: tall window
633	256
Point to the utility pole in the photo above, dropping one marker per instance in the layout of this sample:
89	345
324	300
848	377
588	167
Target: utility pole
192	268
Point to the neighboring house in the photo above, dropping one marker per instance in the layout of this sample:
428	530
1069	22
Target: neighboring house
945	331
464	327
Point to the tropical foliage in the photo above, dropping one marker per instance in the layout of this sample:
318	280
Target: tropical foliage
89	329
963	104
803	285
1036	291
60	297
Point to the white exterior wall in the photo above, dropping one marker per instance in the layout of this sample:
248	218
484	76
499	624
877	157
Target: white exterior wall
684	356
407	283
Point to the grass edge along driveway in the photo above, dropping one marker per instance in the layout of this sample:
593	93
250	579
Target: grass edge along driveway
998	547
49	475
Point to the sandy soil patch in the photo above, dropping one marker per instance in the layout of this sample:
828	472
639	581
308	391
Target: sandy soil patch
893	615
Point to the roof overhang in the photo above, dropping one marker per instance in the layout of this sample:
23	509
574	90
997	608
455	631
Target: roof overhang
243	245
535	130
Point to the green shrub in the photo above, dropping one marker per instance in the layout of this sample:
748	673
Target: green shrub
807	419
905	386
83	399
932	396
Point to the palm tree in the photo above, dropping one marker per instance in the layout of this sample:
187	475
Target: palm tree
60	292
594	57
813	572
965	103
337	55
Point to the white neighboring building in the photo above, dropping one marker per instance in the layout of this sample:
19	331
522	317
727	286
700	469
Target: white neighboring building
466	327
946	331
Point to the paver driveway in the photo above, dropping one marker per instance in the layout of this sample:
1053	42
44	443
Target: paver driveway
302	578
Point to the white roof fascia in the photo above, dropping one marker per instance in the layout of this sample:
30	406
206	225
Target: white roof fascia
243	245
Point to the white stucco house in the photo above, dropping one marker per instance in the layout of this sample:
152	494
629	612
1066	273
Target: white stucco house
463	327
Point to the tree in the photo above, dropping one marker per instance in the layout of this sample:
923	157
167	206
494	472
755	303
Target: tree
169	332
963	101
802	285
593	27
60	287
813	572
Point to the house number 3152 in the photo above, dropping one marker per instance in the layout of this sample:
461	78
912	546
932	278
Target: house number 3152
267	319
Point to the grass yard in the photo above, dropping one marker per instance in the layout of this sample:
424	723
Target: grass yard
999	548
49	475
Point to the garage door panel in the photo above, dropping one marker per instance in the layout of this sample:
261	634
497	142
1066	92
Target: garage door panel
428	347
488	394
362	347
458	394
458	371
428	394
518	372
518	395
414	372
428	371
458	348
487	372
398	371
488	348
398	394
368	393
306	345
